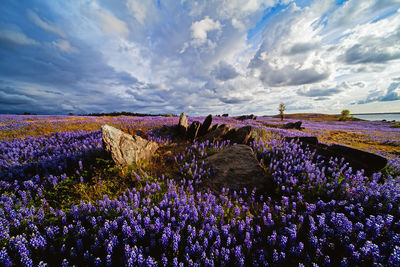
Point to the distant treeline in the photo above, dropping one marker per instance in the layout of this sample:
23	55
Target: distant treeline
124	113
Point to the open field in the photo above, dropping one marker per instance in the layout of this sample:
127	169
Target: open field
64	202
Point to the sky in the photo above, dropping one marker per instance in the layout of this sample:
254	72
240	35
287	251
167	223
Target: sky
200	57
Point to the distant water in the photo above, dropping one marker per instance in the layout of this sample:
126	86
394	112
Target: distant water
379	116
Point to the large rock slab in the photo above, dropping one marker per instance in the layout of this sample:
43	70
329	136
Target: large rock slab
357	159
236	167
126	149
206	126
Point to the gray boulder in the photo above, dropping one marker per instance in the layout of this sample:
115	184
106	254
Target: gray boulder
126	149
183	124
236	167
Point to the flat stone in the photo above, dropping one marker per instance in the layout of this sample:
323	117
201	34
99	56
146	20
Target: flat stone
236	167
126	149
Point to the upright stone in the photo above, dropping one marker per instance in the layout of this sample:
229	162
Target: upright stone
126	149
239	136
193	130
183	124
216	133
206	126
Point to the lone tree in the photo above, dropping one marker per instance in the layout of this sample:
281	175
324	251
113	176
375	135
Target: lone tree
345	115
282	109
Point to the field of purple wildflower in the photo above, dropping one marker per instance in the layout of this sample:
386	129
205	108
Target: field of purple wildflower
63	202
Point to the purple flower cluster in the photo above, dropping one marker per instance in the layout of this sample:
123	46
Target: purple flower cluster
321	213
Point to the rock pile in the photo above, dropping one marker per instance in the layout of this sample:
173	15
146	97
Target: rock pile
246	117
358	159
126	149
205	131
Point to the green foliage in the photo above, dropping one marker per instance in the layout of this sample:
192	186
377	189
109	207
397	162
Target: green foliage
395	125
345	115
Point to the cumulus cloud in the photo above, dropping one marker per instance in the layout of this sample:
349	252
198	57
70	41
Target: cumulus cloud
45	25
215	56
200	29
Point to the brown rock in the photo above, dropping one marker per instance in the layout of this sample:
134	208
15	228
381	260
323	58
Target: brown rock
246	117
182	124
206	126
293	125
239	136
126	149
216	133
236	167
193	130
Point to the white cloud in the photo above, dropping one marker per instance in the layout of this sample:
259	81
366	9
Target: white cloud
45	25
111	25
65	46
138	9
15	36
221	56
199	30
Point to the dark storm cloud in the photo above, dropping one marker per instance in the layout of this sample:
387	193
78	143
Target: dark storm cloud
224	71
360	54
315	92
235	100
300	48
289	75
